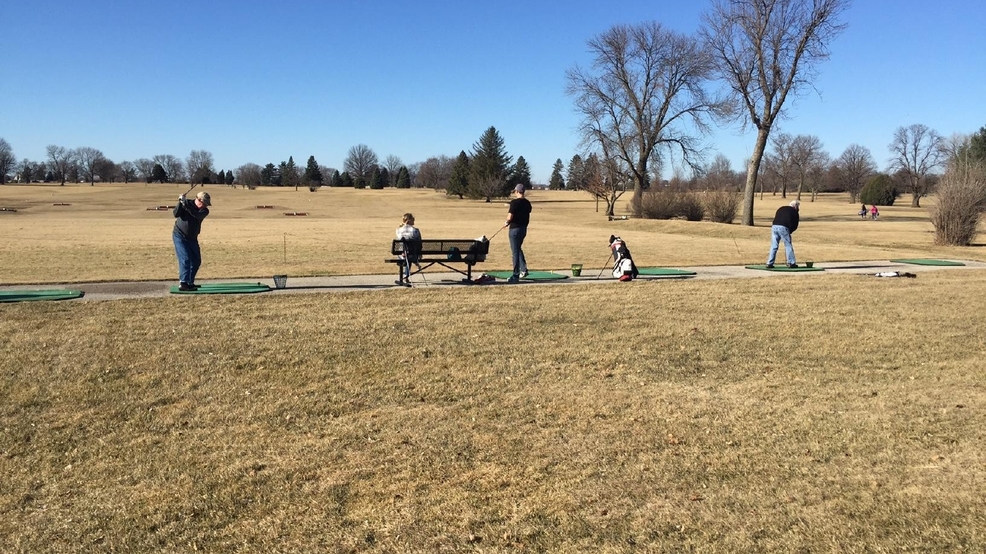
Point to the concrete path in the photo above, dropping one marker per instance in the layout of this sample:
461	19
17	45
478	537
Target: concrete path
343	283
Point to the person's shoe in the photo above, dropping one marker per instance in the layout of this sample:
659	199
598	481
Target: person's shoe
523	274
194	286
185	287
792	265
770	266
514	279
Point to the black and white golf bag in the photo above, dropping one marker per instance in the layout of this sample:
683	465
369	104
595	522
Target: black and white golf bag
623	266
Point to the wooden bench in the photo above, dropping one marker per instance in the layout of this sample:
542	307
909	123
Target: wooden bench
444	252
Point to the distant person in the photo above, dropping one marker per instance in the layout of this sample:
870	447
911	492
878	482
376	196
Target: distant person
863	211
188	222
874	213
518	217
411	236
785	222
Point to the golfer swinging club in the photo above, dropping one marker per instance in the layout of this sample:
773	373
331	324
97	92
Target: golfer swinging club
188	222
785	222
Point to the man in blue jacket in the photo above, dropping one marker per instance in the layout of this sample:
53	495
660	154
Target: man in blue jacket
188	222
785	222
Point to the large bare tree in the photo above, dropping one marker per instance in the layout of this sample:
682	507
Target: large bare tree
200	166
807	156
173	167
60	160
360	161
90	160
646	90
766	50
917	152
855	166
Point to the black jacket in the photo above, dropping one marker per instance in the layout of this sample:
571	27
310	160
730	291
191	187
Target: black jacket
788	217
188	218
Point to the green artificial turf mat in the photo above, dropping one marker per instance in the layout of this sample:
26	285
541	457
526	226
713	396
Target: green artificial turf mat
29	295
927	261
224	288
664	271
781	267
531	276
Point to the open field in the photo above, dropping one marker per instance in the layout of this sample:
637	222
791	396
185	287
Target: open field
833	413
107	233
804	413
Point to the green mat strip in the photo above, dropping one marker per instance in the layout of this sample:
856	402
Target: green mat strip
29	295
531	276
800	268
663	271
224	288
926	261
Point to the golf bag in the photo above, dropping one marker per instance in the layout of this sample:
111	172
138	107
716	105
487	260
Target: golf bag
623	267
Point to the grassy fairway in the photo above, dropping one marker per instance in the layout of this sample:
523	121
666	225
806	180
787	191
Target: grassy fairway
809	413
708	415
107	233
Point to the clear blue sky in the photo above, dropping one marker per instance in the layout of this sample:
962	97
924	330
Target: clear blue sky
258	81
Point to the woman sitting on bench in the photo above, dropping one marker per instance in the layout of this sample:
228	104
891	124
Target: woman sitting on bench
411	237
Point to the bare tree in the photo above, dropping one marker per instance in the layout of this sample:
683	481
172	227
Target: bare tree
646	90
916	152
360	161
200	166
783	160
7	160
807	155
855	166
248	175
128	170
435	172
144	169
172	166
60	160
765	50
90	159
604	180
393	164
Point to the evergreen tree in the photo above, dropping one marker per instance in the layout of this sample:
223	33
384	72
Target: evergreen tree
221	178
576	173
346	180
489	166
521	174
458	181
158	174
557	182
374	180
403	180
313	175
336	179
289	174
384	177
270	176
229	178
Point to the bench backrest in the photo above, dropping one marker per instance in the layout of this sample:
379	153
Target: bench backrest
467	250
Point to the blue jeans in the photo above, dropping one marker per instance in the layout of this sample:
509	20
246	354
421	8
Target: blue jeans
516	242
780	233
189	257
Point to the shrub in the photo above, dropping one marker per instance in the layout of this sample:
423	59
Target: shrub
668	204
879	190
722	205
961	201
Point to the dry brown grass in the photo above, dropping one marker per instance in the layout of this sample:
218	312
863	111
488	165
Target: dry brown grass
107	234
713	416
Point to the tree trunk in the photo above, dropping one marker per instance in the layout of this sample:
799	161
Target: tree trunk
915	199
752	170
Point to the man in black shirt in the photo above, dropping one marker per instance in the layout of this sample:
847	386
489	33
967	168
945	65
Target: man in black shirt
785	222
188	222
518	218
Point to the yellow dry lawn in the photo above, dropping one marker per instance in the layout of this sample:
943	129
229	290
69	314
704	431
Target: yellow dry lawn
107	233
813	413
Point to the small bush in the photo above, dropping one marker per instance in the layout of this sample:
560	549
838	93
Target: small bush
668	204
879	190
961	201
722	205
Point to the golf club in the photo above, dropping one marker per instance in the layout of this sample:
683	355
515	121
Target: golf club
497	232
608	256
190	190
